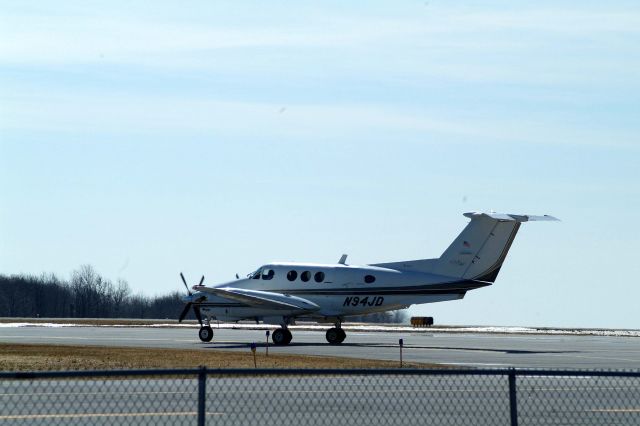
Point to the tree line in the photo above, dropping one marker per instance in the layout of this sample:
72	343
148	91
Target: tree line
88	295
85	295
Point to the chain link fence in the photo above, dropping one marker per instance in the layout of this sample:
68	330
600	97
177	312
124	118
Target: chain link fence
321	397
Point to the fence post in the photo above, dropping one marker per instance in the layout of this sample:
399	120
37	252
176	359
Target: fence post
202	386
513	401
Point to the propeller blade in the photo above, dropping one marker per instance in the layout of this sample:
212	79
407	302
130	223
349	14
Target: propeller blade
185	311
185	284
196	310
201	281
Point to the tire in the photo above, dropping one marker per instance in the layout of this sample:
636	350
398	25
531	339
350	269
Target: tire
333	336
343	335
281	337
205	334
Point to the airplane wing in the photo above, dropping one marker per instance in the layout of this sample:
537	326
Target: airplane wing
266	299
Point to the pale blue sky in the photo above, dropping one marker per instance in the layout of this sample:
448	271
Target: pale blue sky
148	138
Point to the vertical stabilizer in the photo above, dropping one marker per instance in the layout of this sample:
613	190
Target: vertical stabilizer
480	249
478	252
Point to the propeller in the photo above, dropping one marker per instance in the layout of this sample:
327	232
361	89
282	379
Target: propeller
185	284
196	308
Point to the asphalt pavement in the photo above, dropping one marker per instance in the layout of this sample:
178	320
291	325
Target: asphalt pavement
464	350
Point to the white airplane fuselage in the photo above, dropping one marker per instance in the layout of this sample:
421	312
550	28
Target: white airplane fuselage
339	290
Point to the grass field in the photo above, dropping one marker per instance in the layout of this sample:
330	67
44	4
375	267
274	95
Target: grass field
15	357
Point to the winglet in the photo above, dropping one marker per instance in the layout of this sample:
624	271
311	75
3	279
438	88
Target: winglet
343	259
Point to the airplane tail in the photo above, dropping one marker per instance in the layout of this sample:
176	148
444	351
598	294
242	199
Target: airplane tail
478	252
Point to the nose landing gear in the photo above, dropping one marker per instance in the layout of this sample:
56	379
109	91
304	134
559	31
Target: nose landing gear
206	333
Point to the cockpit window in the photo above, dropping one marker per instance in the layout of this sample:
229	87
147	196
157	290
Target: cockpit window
267	274
255	274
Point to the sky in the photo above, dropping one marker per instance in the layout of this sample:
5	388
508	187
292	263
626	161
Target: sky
149	138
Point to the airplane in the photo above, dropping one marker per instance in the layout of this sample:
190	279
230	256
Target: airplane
283	292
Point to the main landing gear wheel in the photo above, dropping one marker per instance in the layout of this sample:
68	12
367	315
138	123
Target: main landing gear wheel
335	335
281	337
206	334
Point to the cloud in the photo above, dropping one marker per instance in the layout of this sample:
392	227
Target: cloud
55	39
80	113
578	56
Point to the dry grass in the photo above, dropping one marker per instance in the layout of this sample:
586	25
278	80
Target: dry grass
15	357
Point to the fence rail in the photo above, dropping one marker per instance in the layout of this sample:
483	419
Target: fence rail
326	396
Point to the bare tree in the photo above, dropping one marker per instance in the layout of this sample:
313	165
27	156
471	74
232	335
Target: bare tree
120	295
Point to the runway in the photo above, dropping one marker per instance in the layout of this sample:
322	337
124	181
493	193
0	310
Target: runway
464	350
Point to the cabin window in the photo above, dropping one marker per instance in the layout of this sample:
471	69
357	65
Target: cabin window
268	274
292	275
305	276
369	279
319	277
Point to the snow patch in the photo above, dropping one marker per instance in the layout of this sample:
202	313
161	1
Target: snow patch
35	324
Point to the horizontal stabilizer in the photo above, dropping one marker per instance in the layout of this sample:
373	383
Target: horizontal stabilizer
509	217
